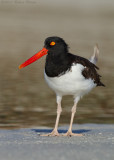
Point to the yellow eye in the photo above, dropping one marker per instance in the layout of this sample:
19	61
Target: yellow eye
52	43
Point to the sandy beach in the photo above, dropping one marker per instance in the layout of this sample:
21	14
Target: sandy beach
96	143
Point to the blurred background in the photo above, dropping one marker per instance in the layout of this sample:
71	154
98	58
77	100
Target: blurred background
25	99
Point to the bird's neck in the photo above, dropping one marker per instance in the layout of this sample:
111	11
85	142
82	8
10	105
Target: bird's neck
57	58
56	64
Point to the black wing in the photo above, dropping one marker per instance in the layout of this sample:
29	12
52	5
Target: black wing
89	69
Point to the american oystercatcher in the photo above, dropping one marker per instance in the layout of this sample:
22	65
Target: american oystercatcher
67	74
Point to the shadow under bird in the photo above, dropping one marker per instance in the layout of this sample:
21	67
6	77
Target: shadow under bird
67	74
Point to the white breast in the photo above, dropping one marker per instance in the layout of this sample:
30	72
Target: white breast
71	83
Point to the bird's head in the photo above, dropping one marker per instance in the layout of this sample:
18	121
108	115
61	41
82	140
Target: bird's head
54	46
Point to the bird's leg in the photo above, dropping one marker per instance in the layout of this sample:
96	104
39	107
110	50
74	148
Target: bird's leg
73	111
59	110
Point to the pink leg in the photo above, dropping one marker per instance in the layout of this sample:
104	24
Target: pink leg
59	110
69	132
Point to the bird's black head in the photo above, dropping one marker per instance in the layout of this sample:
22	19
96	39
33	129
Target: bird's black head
55	45
57	60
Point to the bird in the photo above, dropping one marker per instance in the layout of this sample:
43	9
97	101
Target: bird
67	74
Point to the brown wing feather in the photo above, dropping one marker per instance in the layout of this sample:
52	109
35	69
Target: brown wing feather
89	70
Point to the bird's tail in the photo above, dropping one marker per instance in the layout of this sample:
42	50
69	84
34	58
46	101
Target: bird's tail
94	57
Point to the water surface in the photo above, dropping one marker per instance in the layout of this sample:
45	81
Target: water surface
25	99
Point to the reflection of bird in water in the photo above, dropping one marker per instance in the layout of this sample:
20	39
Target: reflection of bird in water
67	74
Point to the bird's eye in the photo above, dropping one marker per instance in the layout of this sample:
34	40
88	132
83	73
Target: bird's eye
52	43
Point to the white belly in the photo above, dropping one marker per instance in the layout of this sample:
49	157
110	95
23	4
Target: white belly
71	83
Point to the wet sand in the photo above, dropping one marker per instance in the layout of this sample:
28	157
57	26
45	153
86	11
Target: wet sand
96	143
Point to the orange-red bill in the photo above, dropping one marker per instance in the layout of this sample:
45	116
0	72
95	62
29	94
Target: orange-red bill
34	58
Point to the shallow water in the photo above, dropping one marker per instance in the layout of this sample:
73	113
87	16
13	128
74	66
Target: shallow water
25	99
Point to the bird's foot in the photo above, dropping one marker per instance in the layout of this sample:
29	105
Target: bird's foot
53	133
69	133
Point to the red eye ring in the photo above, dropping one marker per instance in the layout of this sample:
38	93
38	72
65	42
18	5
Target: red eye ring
52	43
